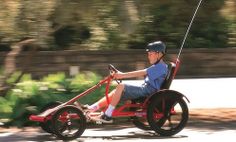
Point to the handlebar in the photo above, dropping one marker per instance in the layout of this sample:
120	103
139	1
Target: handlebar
113	69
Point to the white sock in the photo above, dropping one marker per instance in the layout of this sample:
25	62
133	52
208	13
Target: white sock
109	110
94	107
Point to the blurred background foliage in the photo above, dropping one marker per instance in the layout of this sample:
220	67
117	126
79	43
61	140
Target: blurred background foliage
100	25
30	96
117	24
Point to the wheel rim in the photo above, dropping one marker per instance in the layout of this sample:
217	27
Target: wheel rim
46	126
168	116
69	123
170	120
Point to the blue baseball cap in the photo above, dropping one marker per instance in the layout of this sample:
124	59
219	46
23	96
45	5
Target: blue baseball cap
157	46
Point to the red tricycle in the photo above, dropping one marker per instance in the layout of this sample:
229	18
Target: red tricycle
164	112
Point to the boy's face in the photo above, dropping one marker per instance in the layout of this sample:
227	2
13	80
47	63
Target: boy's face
153	56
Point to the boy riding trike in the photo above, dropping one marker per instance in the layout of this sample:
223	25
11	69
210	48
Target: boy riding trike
164	111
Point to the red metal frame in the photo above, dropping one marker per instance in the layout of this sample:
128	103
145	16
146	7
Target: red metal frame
119	112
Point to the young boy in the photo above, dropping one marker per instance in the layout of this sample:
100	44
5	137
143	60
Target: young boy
154	77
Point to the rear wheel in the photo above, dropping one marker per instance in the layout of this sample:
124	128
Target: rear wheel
47	125
167	115
68	123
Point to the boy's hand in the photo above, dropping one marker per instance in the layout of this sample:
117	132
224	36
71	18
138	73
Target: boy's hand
118	75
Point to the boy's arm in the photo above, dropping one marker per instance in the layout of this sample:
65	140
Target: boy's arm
138	73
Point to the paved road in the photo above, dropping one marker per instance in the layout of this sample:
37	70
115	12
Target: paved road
210	125
212	118
204	125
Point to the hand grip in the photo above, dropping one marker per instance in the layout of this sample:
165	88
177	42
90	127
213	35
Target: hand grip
112	68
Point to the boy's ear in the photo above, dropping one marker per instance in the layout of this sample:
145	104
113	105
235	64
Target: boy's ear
161	54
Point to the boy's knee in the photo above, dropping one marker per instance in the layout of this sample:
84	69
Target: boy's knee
120	86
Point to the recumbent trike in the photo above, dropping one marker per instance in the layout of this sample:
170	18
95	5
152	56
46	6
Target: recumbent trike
164	112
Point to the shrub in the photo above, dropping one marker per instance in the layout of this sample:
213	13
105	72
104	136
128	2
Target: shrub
29	96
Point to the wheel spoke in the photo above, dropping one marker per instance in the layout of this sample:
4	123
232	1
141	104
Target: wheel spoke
62	128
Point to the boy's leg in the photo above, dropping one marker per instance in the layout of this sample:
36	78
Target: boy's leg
102	102
117	94
115	99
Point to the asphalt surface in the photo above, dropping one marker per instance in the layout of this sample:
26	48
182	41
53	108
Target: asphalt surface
212	118
203	125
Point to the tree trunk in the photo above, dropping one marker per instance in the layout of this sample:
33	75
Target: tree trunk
10	64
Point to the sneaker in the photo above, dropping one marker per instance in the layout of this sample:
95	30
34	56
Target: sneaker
104	119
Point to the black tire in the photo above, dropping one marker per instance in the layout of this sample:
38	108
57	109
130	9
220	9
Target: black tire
47	126
167	115
139	122
68	123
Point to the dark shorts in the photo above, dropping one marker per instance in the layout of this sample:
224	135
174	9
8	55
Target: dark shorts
136	91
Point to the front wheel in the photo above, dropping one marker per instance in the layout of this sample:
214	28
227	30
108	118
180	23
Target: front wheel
68	123
167	115
46	126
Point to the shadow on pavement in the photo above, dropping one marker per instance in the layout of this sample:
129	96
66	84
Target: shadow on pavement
213	119
26	136
134	135
35	134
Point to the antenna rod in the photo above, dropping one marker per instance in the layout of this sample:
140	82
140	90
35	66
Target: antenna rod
186	34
